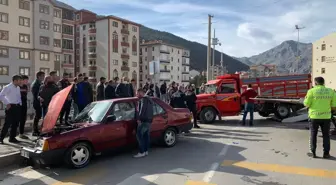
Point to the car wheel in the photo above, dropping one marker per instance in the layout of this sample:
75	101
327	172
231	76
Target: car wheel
264	114
282	111
169	137
208	115
79	155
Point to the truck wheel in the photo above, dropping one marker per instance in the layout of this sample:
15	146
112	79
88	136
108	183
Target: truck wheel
264	114
282	111
208	115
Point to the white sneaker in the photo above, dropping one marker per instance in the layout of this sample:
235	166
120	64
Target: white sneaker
139	155
146	153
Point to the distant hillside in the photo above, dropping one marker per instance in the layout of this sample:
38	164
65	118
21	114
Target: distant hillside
284	56
198	52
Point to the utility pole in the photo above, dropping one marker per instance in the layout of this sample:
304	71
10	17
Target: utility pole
298	57
215	42
209	48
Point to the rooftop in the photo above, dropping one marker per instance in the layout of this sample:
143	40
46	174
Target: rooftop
62	5
158	42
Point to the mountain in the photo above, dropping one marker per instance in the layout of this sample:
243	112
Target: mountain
198	52
284	56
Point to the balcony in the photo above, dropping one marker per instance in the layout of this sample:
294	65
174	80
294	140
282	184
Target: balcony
185	62
165	76
68	36
125	56
125	68
67	64
164	70
185	72
185	53
92	68
164	49
66	50
92	31
92	79
125	31
126	44
92	43
185	80
164	58
92	55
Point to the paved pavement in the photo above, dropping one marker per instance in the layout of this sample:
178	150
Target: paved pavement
224	153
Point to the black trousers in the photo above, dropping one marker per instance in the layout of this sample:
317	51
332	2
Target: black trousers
23	117
65	111
38	116
11	121
325	127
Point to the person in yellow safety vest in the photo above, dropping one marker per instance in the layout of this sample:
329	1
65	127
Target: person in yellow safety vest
320	100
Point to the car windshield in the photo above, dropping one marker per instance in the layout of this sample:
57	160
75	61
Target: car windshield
94	112
211	88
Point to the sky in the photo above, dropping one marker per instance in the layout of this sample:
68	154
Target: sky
243	27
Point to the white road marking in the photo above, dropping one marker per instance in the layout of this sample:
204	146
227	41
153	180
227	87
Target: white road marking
139	179
180	170
209	174
22	178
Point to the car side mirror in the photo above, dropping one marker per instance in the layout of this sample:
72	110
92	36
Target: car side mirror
111	118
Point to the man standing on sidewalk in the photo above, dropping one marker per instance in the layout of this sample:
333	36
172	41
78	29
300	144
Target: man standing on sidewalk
100	89
145	118
62	84
35	88
320	100
23	117
249	103
11	97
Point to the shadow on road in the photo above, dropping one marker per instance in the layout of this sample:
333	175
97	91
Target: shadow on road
259	182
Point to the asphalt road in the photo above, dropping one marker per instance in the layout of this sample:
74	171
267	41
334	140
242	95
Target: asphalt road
220	154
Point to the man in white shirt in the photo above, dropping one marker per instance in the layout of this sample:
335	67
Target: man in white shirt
11	97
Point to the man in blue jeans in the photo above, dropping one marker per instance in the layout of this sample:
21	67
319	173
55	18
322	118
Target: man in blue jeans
144	120
249	103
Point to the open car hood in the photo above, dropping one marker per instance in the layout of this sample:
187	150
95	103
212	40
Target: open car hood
54	109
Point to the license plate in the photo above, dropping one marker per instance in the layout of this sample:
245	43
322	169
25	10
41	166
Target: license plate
25	154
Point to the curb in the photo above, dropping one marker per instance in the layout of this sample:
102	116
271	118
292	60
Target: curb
10	159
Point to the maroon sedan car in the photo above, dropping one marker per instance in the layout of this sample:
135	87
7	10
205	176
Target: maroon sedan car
101	126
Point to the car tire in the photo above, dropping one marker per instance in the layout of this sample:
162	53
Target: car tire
208	115
78	155
264	114
282	111
169	137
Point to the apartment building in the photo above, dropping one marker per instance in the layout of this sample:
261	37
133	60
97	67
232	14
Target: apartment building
174	62
35	36
107	46
262	70
324	59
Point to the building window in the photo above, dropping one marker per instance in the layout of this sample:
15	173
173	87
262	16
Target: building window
153	58
323	59
172	59
24	55
44	9
44	24
44	40
25	38
134	29
77	17
57	58
24	71
134	64
68	59
115	24
84	27
77	51
4	52
25	5
57	43
4	2
24	21
322	70
3	17
145	49
146	59
44	56
57	13
115	62
57	28
45	70
323	47
67	44
4	70
115	42
4	35
67	29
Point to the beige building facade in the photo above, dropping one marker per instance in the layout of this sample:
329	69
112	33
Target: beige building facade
174	62
324	59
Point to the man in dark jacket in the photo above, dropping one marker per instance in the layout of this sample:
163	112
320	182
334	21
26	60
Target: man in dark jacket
145	118
83	94
62	84
47	91
124	89
178	99
163	91
100	89
35	88
110	90
249	103
24	106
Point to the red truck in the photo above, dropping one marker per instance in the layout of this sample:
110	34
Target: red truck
278	95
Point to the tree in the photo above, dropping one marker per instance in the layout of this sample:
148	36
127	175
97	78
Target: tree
198	80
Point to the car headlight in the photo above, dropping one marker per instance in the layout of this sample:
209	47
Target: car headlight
42	144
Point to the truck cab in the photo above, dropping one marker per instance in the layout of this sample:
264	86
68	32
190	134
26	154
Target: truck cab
221	97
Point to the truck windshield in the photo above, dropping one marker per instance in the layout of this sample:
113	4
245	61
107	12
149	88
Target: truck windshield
211	88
